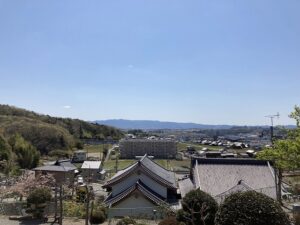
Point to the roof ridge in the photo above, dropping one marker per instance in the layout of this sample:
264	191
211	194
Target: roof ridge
144	156
159	165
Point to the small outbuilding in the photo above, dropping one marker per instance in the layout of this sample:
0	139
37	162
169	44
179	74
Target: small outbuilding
91	170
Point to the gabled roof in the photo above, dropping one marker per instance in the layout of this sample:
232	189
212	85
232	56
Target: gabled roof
91	165
151	168
58	166
217	176
54	169
66	163
139	186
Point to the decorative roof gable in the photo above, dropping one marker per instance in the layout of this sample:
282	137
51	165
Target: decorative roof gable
138	186
152	169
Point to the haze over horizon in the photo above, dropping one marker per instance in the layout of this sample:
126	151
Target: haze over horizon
206	62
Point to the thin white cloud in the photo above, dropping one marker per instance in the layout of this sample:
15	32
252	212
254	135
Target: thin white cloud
67	107
130	66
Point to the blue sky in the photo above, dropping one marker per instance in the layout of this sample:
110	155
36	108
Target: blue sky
204	61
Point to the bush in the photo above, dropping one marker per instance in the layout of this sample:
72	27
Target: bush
97	216
169	221
81	194
250	208
60	153
74	209
199	207
37	199
39	196
126	221
297	219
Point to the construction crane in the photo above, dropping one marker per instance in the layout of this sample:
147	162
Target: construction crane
272	123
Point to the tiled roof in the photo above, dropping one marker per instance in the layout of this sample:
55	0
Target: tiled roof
216	176
154	170
54	168
58	166
158	170
144	190
185	186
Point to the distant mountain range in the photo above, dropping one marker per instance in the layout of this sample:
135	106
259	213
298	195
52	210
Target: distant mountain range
154	125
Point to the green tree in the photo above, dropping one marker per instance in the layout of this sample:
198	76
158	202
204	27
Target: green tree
198	208
285	153
5	152
6	156
250	208
27	155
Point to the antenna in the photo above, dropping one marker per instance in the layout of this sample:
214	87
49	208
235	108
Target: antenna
271	127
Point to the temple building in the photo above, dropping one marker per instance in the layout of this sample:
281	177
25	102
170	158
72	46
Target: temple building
138	189
222	177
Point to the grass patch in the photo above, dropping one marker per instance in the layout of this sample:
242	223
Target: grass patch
175	165
96	148
122	163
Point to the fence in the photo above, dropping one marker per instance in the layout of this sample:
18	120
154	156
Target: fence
141	212
18	208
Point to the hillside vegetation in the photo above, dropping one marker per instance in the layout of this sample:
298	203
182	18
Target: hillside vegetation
48	133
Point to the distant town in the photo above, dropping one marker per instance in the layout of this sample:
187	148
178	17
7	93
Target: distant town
98	174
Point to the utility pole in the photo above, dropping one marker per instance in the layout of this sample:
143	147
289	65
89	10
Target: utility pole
55	204
87	209
117	162
61	205
278	172
272	126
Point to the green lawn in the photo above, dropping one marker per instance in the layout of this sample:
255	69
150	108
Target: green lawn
96	148
110	164
171	165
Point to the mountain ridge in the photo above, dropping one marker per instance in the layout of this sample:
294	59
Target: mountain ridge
157	125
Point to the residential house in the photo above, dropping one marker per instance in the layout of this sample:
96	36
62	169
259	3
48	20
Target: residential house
62	170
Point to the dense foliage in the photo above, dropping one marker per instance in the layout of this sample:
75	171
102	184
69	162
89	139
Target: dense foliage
285	153
27	155
98	215
198	208
250	208
39	196
126	221
170	221
5	149
48	133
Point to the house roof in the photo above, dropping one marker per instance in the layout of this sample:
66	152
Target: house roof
91	165
185	186
58	166
54	168
151	168
139	186
217	176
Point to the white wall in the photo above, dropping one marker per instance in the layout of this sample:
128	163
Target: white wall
133	178
136	205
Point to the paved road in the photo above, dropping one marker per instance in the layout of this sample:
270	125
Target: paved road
108	153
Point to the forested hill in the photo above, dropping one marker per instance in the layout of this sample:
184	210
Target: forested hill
48	133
